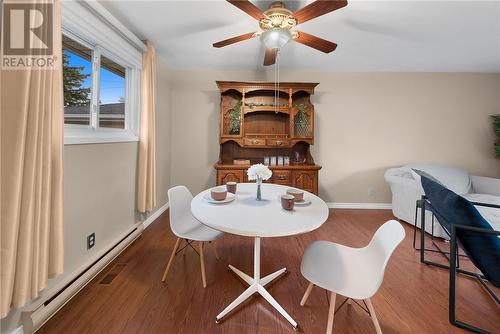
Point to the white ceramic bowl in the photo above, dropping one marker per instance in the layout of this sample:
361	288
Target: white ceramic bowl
218	194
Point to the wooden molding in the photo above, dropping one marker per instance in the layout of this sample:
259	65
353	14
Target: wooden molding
249	86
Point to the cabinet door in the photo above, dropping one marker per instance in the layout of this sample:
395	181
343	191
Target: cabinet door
302	121
306	180
224	176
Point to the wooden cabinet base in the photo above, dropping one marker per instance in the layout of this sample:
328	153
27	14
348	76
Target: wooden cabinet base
299	176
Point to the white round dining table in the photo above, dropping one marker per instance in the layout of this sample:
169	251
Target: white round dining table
247	216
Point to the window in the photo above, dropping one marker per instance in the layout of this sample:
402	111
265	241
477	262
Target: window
80	90
101	76
111	94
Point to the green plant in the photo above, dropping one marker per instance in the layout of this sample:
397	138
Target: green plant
301	121
234	118
496	120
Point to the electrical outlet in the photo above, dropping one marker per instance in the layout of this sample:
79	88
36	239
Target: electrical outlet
371	191
90	241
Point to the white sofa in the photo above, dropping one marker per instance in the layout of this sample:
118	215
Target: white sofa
406	190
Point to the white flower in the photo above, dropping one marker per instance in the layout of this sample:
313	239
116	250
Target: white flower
259	171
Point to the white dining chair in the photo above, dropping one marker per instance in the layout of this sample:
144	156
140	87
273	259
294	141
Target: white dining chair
355	273
186	227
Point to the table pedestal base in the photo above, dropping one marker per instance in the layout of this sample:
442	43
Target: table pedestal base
257	284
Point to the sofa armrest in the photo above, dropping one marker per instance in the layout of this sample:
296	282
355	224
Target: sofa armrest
485	185
401	176
405	192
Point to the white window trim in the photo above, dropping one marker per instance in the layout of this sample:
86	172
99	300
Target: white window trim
80	22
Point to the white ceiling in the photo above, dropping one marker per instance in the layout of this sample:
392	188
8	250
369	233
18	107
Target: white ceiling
402	36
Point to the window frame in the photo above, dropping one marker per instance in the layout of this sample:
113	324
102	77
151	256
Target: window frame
80	29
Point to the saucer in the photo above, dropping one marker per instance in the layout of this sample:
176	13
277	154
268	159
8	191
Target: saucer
304	202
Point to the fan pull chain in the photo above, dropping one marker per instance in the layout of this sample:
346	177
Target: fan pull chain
276	81
278	67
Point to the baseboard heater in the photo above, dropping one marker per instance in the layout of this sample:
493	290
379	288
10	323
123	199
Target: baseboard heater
40	311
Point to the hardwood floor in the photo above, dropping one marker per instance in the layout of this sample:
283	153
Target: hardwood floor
412	299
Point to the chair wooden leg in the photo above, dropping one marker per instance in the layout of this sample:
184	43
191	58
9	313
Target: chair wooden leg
373	316
214	247
331	313
349	301
177	242
306	294
202	262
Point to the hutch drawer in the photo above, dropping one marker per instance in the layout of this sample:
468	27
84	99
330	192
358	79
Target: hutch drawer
236	175
254	142
282	177
278	142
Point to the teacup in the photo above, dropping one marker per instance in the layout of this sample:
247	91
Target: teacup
287	202
219	194
296	193
231	187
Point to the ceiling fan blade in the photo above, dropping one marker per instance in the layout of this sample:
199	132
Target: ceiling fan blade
233	40
316	42
318	8
248	8
270	57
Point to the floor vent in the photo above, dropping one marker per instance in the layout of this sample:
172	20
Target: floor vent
112	274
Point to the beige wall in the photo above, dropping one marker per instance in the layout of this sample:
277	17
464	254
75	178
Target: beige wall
365	123
99	190
99	196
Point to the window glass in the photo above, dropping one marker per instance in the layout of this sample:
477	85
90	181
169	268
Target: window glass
77	82
112	94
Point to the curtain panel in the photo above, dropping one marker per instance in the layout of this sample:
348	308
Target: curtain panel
31	178
146	169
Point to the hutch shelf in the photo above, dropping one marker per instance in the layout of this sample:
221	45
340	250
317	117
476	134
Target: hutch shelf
257	121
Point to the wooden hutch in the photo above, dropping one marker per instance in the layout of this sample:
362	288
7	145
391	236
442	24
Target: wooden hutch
254	126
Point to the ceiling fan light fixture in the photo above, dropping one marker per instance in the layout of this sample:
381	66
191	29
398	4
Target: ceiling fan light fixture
276	38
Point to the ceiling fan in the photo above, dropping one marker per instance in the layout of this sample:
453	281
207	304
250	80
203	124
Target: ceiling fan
278	24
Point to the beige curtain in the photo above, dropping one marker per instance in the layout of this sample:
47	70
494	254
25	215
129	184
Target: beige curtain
146	176
31	179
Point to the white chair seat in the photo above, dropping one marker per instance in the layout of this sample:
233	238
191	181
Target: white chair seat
341	269
200	233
